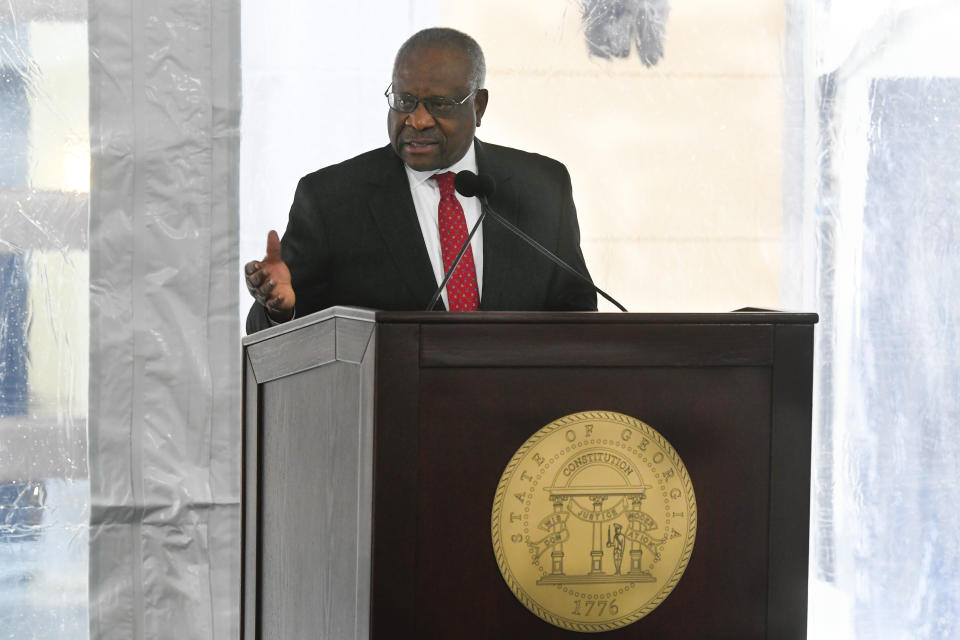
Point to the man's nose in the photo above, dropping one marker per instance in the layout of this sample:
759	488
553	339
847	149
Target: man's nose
420	118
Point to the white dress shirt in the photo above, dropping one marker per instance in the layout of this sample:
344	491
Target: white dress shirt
426	200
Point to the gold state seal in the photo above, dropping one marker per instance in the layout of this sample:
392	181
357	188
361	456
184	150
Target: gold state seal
594	521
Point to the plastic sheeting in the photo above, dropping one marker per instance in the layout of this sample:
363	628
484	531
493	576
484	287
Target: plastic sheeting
164	443
43	320
886	556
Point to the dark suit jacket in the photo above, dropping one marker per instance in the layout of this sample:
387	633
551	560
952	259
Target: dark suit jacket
353	238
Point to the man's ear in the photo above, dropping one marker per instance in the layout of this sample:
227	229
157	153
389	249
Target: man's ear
480	104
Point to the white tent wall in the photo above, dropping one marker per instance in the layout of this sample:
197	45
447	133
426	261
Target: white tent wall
885	555
164	368
44	176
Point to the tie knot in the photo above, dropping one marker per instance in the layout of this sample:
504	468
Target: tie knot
445	182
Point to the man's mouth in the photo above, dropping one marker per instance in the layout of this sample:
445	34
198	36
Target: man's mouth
415	145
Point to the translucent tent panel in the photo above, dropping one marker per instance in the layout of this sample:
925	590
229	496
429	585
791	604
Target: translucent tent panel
164	427
885	556
44	488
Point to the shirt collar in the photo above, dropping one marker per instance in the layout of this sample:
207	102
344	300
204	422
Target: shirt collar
467	163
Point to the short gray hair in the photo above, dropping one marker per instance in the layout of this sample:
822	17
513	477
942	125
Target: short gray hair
444	37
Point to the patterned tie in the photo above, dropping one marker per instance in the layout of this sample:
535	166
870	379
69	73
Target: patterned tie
462	294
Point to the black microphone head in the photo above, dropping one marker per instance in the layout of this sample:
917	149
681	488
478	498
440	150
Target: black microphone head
488	186
469	184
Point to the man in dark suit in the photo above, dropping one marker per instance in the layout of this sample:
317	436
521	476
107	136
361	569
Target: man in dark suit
381	229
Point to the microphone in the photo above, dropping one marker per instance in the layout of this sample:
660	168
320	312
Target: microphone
469	184
483	186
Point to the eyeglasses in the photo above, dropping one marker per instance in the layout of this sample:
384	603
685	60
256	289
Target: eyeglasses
437	106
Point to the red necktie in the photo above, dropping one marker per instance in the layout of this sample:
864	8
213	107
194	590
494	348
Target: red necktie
462	294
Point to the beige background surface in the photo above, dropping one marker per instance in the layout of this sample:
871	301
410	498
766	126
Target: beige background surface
677	168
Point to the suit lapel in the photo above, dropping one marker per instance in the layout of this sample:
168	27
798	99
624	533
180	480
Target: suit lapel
391	206
496	257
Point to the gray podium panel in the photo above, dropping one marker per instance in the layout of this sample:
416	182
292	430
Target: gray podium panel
312	515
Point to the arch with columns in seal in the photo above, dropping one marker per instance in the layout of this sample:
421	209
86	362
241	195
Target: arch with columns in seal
606	502
594	521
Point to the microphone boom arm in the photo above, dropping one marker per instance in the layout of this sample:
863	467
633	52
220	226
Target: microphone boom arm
469	185
456	261
546	252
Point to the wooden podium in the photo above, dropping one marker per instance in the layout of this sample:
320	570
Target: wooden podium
374	442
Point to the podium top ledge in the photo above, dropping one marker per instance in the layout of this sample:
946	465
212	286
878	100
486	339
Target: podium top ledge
533	317
348	313
593	317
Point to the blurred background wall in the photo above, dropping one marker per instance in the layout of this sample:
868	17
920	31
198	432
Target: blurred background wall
677	164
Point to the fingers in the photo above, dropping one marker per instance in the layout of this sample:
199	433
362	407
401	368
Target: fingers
259	283
260	287
273	247
268	280
254	275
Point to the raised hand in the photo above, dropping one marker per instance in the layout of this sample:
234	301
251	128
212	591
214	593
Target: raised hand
268	281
